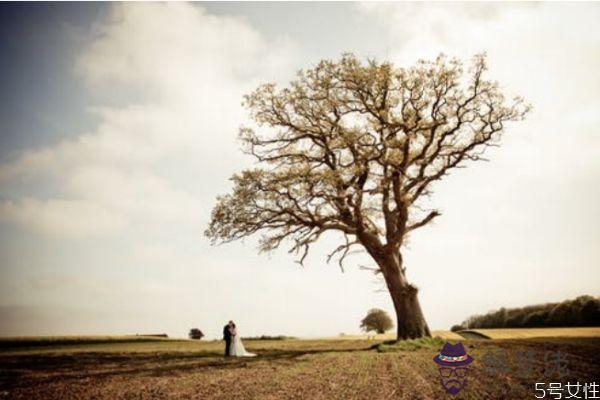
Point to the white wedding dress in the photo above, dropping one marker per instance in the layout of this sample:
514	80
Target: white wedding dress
238	349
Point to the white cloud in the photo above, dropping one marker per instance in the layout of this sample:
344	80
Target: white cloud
61	217
170	146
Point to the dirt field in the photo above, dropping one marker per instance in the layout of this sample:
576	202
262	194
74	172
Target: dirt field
290	369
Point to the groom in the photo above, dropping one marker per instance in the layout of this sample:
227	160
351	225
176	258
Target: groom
227	338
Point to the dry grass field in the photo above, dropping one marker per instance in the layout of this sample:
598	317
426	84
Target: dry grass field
446	335
527	333
335	368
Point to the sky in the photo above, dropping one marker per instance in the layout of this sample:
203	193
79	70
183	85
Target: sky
118	126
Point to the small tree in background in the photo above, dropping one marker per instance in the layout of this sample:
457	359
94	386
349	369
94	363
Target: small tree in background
196	333
376	320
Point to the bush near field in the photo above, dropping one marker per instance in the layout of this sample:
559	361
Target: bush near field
582	311
195	334
267	337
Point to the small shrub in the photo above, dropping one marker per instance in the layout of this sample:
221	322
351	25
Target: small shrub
195	334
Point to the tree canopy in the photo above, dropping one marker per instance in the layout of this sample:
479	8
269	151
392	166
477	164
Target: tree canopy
352	147
376	320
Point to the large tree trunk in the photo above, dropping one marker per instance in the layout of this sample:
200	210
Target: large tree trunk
410	323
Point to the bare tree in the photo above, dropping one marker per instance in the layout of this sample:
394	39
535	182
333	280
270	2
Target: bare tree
353	147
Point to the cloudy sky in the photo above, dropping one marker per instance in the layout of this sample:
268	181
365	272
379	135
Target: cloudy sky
118	128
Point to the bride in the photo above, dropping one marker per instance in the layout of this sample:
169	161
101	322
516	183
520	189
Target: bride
237	347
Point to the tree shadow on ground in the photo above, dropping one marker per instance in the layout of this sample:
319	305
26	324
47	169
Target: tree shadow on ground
27	370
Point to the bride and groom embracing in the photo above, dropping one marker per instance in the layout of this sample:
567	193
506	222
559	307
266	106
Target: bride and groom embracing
233	342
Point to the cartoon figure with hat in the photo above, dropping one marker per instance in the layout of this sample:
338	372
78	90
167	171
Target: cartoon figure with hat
453	363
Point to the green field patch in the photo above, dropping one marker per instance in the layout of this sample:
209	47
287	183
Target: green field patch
410	345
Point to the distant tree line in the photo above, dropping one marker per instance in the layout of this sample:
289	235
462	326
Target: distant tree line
582	311
197	334
267	337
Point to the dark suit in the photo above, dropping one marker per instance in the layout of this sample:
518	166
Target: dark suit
227	339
